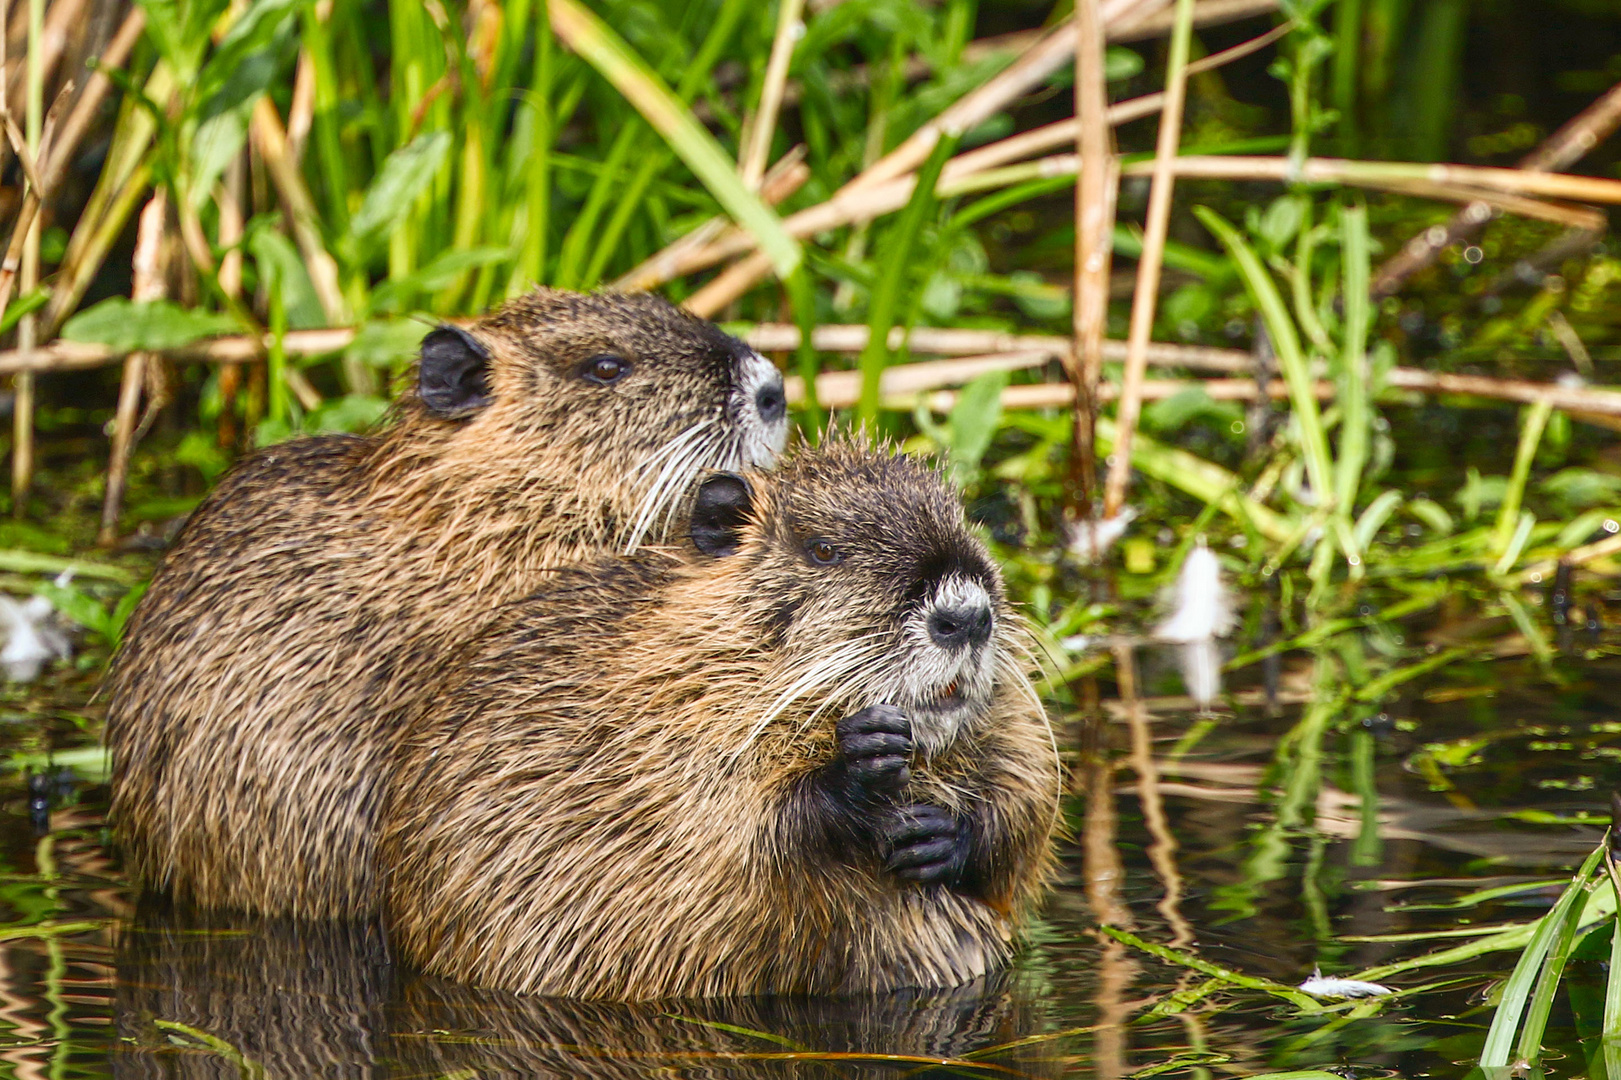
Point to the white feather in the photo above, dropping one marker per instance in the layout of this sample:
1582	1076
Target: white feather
1317	986
1203	607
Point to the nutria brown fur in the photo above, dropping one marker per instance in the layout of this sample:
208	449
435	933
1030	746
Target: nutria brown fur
638	784
321	583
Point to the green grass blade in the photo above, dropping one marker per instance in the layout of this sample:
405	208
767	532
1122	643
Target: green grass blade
1285	342
1355	422
1508	515
1511	1006
607	52
896	266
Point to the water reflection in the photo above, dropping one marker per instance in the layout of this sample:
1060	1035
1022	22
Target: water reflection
229	999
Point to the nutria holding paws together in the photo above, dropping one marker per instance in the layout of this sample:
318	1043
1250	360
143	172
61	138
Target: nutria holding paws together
319	585
804	758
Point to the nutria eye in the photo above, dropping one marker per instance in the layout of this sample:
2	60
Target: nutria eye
823	553
606	369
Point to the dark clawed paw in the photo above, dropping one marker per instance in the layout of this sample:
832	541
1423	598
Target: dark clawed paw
924	844
875	747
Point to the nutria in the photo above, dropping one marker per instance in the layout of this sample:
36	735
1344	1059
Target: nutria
318	586
635	785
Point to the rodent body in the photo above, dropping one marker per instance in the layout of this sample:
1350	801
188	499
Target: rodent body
638	785
317	589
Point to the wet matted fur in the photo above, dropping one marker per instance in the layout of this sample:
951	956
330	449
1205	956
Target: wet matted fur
320	585
624	790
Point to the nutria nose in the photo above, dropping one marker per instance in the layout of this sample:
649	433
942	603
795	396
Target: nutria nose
771	401
969	624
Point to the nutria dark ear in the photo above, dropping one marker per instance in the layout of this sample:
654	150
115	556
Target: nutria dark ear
722	506
453	377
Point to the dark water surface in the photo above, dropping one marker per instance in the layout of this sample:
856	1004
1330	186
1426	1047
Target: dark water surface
1297	837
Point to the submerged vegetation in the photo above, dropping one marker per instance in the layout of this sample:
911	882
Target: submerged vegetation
1375	451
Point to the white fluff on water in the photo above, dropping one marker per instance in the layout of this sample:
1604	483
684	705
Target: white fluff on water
1317	986
31	635
1203	608
1090	540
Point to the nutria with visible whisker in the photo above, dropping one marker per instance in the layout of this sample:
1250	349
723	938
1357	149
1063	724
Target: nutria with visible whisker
317	588
804	758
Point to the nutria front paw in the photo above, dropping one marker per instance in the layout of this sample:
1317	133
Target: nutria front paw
925	844
875	746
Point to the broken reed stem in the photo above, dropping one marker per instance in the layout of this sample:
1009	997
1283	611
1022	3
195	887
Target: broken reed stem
1156	227
1564	147
1094	243
147	285
763	125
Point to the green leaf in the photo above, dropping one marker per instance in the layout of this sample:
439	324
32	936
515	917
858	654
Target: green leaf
32	300
436	275
277	258
352	412
82	609
405	174
1282	220
606	51
152	325
120	616
223	124
1120	62
386	343
974	419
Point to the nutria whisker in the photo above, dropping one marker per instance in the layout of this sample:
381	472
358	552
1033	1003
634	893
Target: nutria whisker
680	457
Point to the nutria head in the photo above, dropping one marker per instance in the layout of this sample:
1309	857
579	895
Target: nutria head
857	568
599	408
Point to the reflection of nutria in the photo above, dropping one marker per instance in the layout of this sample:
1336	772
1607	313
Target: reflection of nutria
298	1000
323	580
634	785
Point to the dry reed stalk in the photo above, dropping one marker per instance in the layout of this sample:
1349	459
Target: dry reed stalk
1061	395
229	199
1207	13
1094	244
84	111
842	389
301	107
767	337
1581	218
848	206
1564	147
44	55
1598	549
1066	132
147	285
949	341
877	188
22	427
1156	227
271	142
1378	173
763	124
787	176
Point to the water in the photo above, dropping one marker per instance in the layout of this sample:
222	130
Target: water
1186	831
